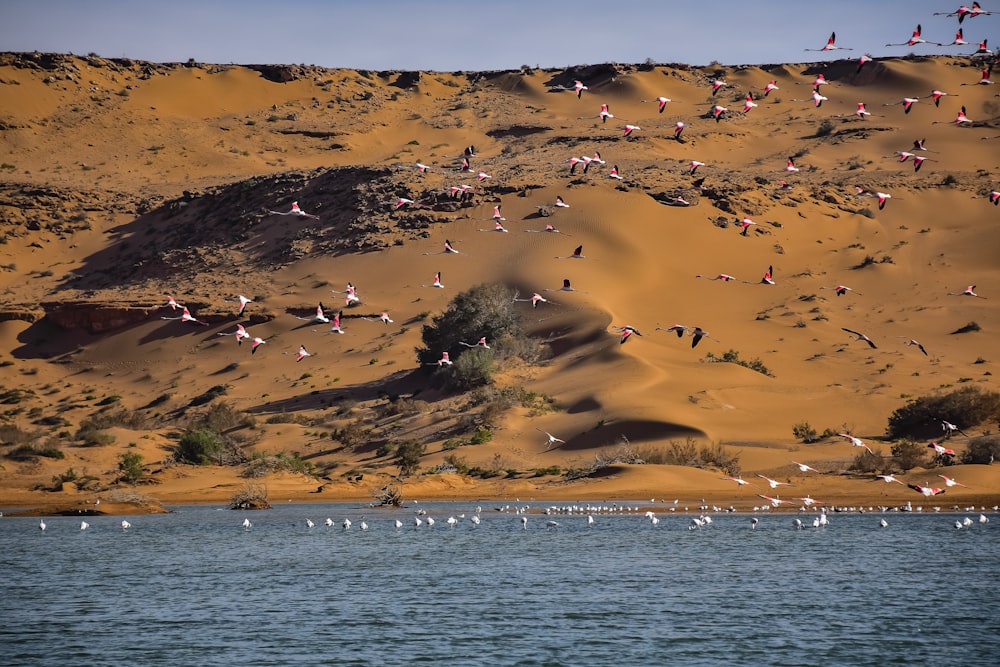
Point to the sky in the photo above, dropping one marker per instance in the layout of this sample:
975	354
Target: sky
475	35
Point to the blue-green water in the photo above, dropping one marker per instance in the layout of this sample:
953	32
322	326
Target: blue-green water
195	588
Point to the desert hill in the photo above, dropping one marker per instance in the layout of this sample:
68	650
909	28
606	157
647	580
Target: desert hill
124	183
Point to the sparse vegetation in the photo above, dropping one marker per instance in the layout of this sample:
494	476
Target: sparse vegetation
199	446
983	450
908	454
130	467
921	417
252	496
733	357
408	455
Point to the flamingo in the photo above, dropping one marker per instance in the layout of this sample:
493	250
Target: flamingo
497	227
551	439
856	442
982	50
724	277
739	481
861	112
889	479
918	161
963	11
745	225
804	468
860	336
678	129
926	490
717	112
482	176
950	429
995	197
604	114
839	290
818	99
240	334
864	59
960	118
948	481
577	254
448	250
629	129
915	38
907	103
937	95
125	524
318	317
790	165
42	525
748	103
257	342
497	215
771	85
697	334
913	341
717	85
445	360
773	483
336	328
968	291
679	329
984	79
437	280
579	88
296	211
566	287
302	353
243	303
768	278
941	450
959	39
831	45
84	525
247	525
535	299
481	343
186	316
661	102
626	333
775	502
614	173
694	166
172	303
882	199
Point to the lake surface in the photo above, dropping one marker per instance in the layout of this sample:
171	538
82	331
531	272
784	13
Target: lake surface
195	588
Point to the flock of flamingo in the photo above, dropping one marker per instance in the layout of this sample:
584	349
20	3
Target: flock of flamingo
462	166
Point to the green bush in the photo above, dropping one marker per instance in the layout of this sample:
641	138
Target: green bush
199	446
473	369
484	310
804	432
867	462
909	454
982	450
921	417
481	436
130	466
408	455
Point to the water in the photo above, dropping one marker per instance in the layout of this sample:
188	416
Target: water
194	588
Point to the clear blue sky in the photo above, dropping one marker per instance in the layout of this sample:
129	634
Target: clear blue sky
446	35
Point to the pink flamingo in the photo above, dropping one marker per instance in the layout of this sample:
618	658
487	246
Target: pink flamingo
882	199
678	129
839	290
907	103
717	85
913	341
614	173
831	45
926	490
940	450
915	38
771	85
861	112
296	211
745	225
481	343
626	333
860	336
694	166
577	254
889	479
302	354
186	316
790	165
318	317
240	334
748	103
968	291
948	481
445	360
768	278
717	112
773	483
257	342
856	442
862	61
661	102
804	468
336	328
724	277
937	95
629	129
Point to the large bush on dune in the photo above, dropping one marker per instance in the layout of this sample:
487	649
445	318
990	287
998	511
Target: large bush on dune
484	310
922	416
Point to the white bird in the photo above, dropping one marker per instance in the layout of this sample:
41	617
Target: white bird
856	442
246	524
328	521
125	525
296	211
524	522
397	523
346	524
41	525
84	525
318	317
309	523
552	440
883	523
773	482
805	468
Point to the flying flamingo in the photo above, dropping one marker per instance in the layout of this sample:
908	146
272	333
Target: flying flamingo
318	317
775	502
882	199
888	479
739	481
995	197
840	290
918	161
579	88
696	335
790	165
678	129
186	316
240	334
748	103
907	103
694	166
856	442
548	228
257	342
926	490
497	227
577	254
448	250
626	333
679	329
984	79
661	102
866	58
629	129
915	38
959	39
745	225
937	95
296	211
968	291
950	429
831	45
773	483
535	299
771	85
481	343
243	303
717	85
861	111
805	468
860	336
819	99
302	353
443	361
604	114
552	440
172	303
982	50
497	215
964	11
724	277
960	119
614	173
482	176
768	278
941	450
336	328
912	341
717	112
566	287
948	481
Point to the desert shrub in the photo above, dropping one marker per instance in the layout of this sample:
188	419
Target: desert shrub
982	450
733	357
908	454
262	464
717	455
390	494
353	434
221	416
93	437
484	310
452	443
825	129
481	436
473	369
14	435
623	453
286	418
27	452
551	470
209	396
408	455
130	467
404	406
252	496
921	417
118	417
677	454
866	462
199	446
804	432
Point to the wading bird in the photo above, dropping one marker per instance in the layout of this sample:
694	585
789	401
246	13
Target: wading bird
551	439
831	45
856	442
860	336
296	211
913	341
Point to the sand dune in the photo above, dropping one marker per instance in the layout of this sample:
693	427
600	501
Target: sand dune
125	182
